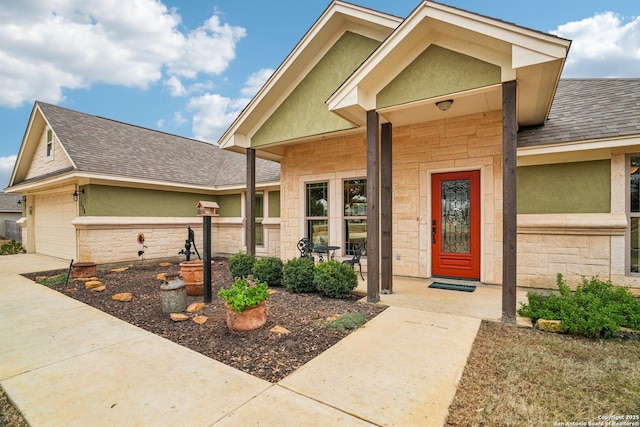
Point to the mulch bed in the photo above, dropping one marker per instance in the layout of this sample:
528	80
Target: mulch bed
264	354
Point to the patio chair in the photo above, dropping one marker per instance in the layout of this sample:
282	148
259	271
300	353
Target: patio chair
357	253
305	247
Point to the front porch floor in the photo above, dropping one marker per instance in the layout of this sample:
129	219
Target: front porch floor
484	303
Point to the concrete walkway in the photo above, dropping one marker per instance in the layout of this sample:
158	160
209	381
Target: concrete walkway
64	363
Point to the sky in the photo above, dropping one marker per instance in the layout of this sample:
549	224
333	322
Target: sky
188	67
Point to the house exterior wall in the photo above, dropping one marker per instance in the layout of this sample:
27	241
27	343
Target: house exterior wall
580	243
472	142
113	239
41	164
103	200
578	187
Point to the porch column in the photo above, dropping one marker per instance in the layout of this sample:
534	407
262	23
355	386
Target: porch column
250	203
386	211
373	211
509	201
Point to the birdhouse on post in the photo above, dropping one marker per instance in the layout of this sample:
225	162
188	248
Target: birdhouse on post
207	208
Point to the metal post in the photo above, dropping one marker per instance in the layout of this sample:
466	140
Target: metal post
206	237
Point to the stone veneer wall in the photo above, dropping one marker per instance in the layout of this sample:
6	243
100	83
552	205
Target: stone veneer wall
573	245
113	239
472	142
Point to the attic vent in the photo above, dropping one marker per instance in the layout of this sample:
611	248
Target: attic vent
49	143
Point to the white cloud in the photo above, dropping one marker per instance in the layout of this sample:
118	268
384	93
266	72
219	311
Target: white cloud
6	168
214	113
176	88
255	82
604	45
46	47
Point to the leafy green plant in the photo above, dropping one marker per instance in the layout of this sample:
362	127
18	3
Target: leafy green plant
297	275
11	248
334	279
244	293
269	270
597	308
241	264
348	321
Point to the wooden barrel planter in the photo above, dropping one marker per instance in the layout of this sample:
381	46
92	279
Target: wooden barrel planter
84	269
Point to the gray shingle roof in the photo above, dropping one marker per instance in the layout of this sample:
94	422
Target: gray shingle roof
588	109
9	202
105	146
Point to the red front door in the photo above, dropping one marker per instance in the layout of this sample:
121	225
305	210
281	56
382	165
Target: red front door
455	224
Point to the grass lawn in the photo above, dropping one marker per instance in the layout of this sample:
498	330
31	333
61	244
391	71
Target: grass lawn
525	377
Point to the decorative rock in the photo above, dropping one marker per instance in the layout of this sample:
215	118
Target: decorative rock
41	278
200	320
272	291
85	279
120	270
280	330
165	264
99	289
195	307
333	318
93	284
125	297
549	325
161	276
179	317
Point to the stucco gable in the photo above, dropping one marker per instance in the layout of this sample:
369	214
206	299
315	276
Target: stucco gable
304	112
532	58
338	19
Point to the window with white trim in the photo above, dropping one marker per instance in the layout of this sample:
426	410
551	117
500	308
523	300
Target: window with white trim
355	214
317	212
49	143
259	230
634	214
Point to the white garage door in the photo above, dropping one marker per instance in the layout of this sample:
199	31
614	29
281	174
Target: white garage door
55	235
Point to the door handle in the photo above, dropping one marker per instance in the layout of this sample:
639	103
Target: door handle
434	229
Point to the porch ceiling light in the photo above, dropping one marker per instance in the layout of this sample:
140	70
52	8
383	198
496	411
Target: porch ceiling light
444	105
75	194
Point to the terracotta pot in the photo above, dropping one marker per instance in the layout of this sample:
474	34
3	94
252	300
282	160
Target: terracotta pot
249	320
84	269
192	273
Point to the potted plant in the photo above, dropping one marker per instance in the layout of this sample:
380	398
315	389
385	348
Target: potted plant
246	304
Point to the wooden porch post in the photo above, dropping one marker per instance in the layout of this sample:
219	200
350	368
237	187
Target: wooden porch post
386	211
250	203
509	201
373	210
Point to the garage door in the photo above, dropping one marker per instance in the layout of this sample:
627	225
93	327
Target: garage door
55	235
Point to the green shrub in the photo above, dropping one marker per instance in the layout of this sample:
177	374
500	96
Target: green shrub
334	279
597	308
11	248
297	275
241	264
269	270
348	321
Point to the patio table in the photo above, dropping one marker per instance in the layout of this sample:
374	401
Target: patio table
325	249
